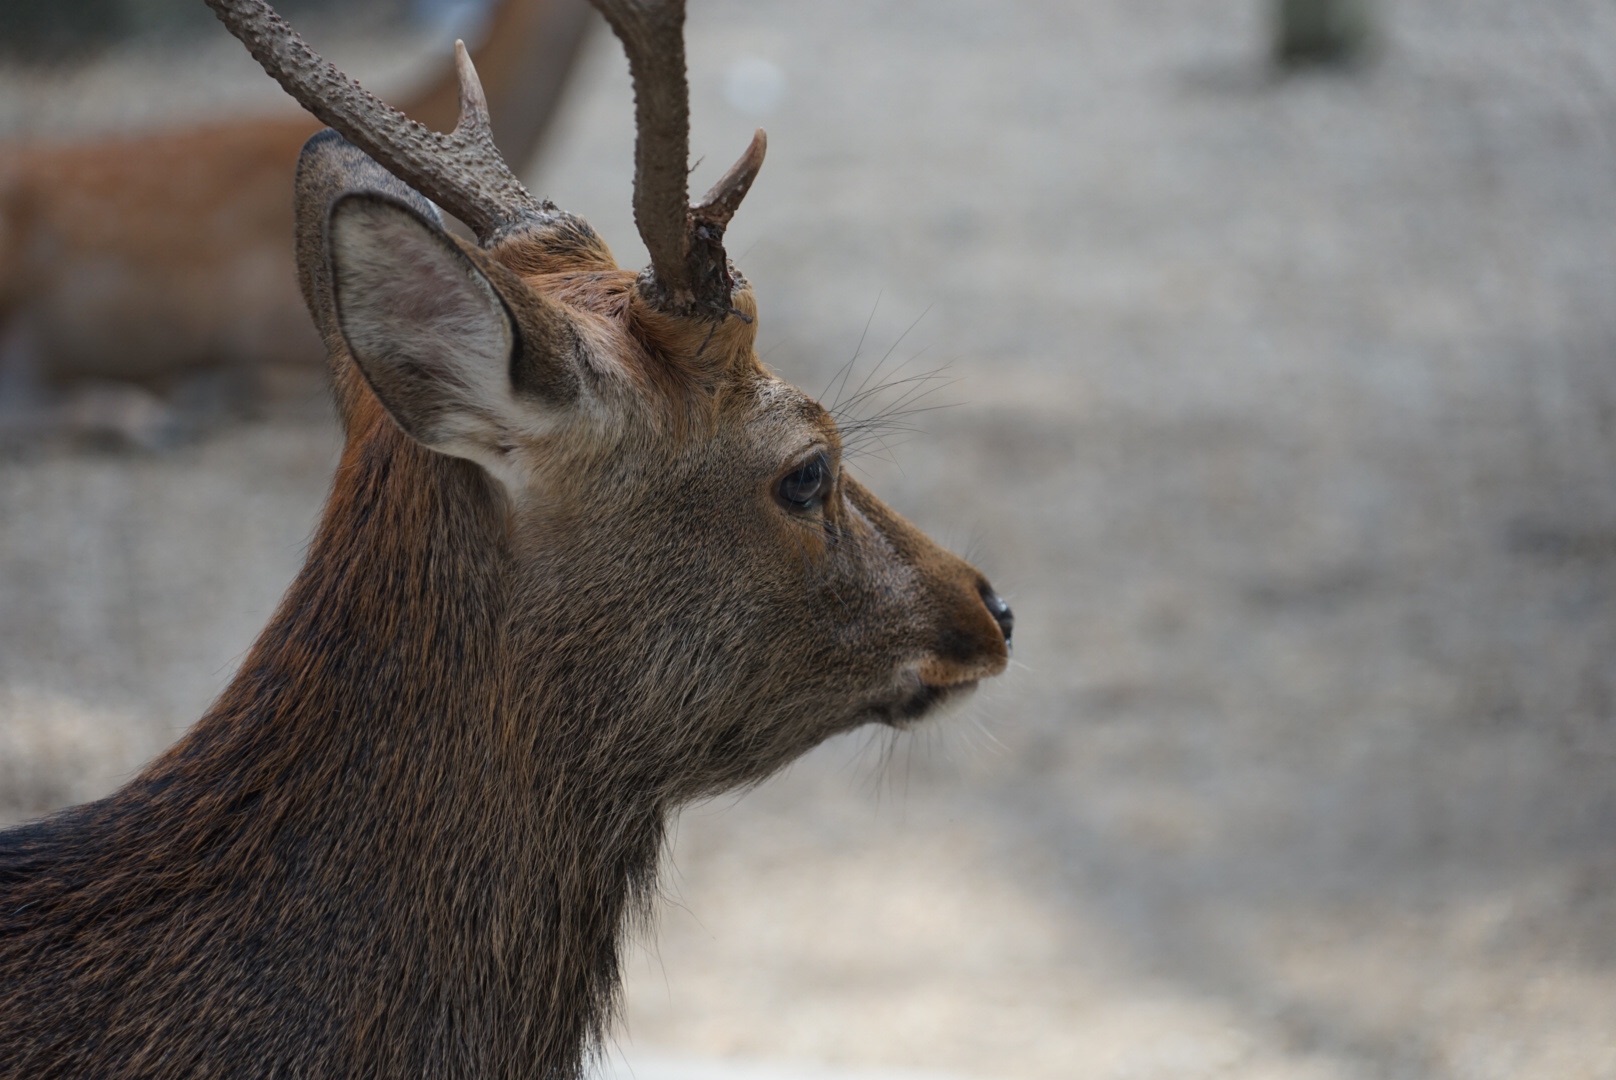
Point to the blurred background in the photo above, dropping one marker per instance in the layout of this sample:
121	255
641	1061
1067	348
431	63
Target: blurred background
1278	374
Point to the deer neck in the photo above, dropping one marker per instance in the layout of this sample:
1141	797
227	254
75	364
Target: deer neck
426	841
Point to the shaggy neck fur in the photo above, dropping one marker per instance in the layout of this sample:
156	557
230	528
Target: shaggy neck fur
364	861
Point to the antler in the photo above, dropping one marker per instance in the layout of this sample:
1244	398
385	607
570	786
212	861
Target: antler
462	171
689	270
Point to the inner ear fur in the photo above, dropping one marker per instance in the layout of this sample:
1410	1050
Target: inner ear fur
458	349
548	360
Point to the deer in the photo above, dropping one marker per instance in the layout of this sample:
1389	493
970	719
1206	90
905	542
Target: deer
585	560
105	278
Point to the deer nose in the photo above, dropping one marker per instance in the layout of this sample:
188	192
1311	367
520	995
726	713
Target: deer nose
999	610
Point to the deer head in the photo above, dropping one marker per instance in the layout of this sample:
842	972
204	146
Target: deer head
674	514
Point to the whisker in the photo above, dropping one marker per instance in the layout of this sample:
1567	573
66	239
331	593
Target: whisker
907	403
863	394
905	334
858	349
876	370
994	743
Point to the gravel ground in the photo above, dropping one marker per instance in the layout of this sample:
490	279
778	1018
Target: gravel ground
1284	411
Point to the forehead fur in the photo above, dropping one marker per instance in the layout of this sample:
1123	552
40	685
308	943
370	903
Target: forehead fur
777	397
787	411
684	365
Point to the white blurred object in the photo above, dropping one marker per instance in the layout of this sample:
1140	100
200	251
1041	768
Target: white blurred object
754	85
463	17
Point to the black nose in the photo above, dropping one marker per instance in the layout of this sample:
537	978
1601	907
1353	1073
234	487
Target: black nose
1000	611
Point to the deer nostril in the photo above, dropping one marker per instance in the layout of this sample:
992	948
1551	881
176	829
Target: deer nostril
1000	611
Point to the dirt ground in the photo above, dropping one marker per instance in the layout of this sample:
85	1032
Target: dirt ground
1284	411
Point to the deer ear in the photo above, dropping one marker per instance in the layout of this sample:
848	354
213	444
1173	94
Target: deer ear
427	328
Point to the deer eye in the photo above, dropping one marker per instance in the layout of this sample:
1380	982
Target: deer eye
805	487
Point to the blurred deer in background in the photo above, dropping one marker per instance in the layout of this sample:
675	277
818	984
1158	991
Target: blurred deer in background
148	258
584	560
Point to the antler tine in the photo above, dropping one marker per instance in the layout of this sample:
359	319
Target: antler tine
724	198
473	102
462	171
689	270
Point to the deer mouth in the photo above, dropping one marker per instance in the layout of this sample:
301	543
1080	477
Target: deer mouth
913	704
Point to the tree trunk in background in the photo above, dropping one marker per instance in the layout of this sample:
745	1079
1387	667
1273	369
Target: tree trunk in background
1321	31
49	31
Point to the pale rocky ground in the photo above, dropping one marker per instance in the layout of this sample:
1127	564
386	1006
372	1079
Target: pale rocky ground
1286	417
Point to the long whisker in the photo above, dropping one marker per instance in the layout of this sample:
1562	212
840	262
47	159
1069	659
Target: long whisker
894	346
858	349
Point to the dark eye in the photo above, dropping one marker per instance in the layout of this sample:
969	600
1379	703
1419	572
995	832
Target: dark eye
806	487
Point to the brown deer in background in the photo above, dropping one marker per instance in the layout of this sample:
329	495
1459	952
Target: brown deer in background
146	258
584	560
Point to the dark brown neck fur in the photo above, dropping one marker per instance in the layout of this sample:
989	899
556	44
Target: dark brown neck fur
363	861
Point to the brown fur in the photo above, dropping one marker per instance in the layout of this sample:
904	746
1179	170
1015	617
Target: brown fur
142	257
406	840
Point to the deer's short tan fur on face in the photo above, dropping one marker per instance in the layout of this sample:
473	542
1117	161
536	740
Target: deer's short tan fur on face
584	559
